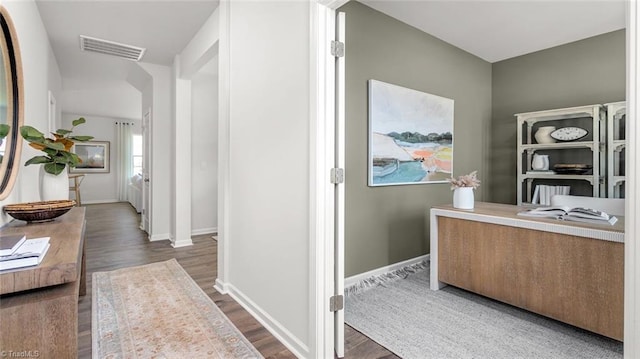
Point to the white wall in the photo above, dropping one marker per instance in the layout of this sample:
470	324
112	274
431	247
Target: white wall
117	99
40	74
202	48
99	187
268	242
157	96
204	153
180	184
184	199
55	84
102	103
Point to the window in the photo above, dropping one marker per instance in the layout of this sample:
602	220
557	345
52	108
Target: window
136	152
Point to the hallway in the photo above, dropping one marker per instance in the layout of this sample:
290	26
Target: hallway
113	240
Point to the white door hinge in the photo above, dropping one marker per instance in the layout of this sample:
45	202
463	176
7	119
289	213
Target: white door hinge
337	175
337	48
336	303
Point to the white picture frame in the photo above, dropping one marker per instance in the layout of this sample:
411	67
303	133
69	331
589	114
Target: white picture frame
410	136
95	157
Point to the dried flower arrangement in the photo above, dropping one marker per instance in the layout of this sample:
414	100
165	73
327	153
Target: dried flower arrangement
470	180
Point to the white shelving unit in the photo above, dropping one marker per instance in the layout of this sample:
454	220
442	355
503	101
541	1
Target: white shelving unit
616	144
594	115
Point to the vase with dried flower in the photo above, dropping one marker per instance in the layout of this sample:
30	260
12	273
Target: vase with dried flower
463	187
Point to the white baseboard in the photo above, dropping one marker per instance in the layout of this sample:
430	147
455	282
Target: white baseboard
159	237
221	287
197	232
100	201
182	243
348	282
299	349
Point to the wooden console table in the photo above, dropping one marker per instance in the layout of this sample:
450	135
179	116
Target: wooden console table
39	305
569	271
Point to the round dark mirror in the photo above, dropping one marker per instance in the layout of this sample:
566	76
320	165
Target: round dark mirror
11	111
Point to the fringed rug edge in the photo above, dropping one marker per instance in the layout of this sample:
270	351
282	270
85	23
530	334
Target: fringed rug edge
377	280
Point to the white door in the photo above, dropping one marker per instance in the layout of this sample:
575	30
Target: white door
339	192
145	222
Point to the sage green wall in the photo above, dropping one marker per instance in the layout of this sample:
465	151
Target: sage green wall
386	225
585	72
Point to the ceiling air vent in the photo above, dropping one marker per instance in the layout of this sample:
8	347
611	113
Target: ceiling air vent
111	48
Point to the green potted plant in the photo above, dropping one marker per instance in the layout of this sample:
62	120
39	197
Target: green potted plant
57	150
54	183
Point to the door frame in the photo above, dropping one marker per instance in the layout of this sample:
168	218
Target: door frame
322	154
147	150
323	204
632	210
224	135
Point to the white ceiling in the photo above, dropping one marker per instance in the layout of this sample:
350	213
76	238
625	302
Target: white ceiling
163	27
498	30
491	30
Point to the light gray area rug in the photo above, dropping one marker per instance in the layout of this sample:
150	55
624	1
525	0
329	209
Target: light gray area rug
409	319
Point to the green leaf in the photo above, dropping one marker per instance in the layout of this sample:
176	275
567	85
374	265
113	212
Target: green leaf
54	168
67	157
63	132
31	134
50	152
59	158
79	121
38	160
55	145
4	130
50	144
81	138
74	160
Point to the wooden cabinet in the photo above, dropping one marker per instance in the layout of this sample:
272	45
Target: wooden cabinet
572	272
39	305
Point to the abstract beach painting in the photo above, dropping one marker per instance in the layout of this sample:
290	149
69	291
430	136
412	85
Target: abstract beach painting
410	136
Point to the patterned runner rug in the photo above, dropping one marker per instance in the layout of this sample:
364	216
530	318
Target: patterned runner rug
414	322
158	311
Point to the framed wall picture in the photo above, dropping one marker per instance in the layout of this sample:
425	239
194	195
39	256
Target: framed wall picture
410	136
94	156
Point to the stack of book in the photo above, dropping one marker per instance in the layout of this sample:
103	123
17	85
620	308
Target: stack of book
543	193
16	251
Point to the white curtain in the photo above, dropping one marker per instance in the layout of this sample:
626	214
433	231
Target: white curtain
124	163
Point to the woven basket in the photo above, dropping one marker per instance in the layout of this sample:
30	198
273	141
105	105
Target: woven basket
38	211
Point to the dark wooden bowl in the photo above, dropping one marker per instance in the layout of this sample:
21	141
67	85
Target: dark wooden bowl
39	211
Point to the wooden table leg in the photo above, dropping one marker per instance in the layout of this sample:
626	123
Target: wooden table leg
83	274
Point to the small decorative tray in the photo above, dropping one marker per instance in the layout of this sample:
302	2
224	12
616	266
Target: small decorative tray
572	168
39	211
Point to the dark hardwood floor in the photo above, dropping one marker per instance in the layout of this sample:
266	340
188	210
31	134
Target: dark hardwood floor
357	345
113	240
